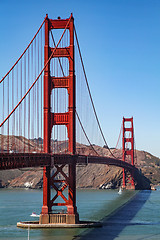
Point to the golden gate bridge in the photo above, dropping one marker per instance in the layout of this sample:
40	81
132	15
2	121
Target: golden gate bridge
46	103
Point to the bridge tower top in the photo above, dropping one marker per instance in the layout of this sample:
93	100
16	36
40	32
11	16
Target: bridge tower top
51	82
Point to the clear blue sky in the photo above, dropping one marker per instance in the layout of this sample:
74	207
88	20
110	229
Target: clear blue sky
120	43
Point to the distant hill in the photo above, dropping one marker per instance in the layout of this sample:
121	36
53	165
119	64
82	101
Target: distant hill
90	176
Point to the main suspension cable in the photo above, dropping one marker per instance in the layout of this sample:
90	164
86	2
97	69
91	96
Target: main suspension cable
118	138
24	51
38	75
86	134
90	93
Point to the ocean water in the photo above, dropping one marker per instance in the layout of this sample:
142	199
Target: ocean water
137	217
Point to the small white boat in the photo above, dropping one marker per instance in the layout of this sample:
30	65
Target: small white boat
120	191
34	215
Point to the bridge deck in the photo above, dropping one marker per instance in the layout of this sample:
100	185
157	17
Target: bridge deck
23	160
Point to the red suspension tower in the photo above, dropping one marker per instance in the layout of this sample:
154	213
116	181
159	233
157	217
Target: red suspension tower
128	150
67	119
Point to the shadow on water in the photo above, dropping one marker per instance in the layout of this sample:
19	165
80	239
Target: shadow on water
115	223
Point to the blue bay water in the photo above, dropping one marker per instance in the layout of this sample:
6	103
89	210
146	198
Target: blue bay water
137	219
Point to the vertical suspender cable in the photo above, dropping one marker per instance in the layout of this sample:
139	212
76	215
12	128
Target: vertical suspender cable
20	108
24	103
41	94
3	118
16	102
38	100
8	119
32	99
35	102
13	122
28	102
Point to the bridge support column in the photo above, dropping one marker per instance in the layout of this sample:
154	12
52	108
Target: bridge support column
67	180
128	152
44	217
46	190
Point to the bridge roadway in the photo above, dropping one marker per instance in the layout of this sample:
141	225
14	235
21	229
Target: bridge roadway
24	160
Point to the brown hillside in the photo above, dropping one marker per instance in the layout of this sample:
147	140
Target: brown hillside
90	176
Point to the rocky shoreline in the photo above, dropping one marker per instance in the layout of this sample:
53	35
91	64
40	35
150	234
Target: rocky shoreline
91	176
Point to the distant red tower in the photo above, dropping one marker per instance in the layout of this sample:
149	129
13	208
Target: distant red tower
67	119
128	149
